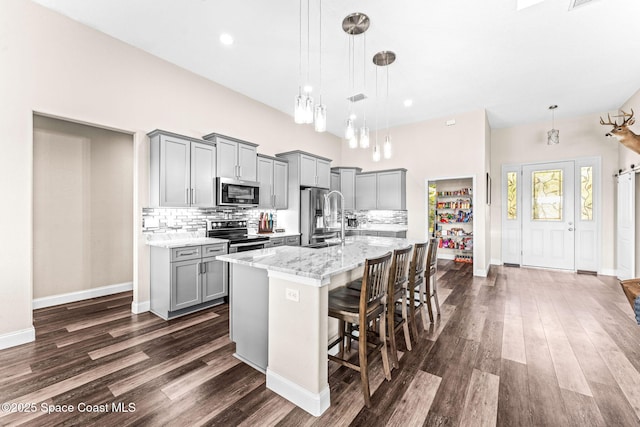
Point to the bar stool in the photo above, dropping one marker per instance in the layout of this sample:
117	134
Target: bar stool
416	285
361	309
398	282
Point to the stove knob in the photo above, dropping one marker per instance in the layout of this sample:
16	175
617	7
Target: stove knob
218	225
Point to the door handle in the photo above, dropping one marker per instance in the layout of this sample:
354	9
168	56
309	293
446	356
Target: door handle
570	228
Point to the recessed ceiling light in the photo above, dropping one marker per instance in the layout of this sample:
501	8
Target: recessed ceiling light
226	39
308	88
408	102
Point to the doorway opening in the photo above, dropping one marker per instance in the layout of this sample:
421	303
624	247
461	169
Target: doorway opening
450	204
82	211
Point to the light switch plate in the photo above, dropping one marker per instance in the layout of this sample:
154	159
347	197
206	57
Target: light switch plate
292	295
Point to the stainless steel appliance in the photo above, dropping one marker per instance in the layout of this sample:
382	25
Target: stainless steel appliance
317	221
236	233
237	193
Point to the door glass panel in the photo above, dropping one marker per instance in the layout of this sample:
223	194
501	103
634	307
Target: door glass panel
547	195
586	193
512	195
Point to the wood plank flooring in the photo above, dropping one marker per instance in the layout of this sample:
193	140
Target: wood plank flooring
522	347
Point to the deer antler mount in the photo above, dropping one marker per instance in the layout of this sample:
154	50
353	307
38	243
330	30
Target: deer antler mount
622	132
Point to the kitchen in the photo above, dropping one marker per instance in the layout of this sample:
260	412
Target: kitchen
140	96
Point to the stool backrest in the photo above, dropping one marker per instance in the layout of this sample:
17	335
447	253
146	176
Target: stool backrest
432	257
375	280
398	272
416	268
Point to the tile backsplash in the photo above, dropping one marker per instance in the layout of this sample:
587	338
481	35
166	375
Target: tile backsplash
178	220
379	217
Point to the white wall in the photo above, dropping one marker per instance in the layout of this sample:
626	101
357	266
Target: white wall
579	137
432	150
82	204
58	67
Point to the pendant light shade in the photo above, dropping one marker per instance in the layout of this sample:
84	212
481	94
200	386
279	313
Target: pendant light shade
298	112
320	118
364	137
376	153
353	141
386	148
349	131
308	110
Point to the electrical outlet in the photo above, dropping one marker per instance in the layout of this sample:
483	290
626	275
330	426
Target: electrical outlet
292	295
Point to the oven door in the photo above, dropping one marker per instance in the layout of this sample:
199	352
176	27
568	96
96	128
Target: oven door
244	247
237	193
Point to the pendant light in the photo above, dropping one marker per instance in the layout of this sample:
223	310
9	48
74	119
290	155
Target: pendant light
553	136
364	130
354	24
298	112
384	59
308	105
320	113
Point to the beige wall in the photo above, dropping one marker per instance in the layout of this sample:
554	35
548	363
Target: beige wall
82	205
579	137
432	150
58	67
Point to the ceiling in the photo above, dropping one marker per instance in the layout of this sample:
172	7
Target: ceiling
452	56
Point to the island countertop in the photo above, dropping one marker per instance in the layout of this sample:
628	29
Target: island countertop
317	264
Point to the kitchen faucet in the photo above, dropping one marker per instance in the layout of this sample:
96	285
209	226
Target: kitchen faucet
326	202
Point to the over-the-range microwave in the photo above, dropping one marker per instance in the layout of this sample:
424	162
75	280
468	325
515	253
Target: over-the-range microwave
237	193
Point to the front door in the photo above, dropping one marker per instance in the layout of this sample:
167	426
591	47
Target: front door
548	221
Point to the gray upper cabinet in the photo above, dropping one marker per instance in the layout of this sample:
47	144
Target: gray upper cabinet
314	171
236	159
181	171
392	190
383	190
366	191
273	175
335	181
347	184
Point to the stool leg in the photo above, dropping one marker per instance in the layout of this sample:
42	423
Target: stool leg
405	324
364	371
384	349
435	294
392	335
341	332
424	293
412	311
349	327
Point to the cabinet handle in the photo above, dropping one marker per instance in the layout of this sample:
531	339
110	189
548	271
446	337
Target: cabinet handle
186	196
187	253
193	197
239	171
203	267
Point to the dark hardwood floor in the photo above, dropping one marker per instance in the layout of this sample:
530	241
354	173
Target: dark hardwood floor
522	347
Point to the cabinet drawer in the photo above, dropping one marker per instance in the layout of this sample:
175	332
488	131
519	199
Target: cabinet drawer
185	253
276	241
213	250
368	233
292	241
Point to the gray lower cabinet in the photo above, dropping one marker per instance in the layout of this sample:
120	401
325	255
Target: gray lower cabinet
187	279
398	234
276	241
292	240
283	241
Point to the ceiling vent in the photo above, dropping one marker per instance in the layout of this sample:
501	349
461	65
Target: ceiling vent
357	97
577	3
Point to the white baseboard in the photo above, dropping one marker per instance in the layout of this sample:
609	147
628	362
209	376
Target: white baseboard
450	256
140	307
81	295
480	272
495	261
608	272
13	339
313	403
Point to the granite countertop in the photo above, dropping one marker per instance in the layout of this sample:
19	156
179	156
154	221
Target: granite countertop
317	264
380	227
179	240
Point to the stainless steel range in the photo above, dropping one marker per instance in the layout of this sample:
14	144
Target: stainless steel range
237	234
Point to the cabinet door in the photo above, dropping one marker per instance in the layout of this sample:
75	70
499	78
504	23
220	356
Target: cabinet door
276	241
390	190
335	181
323	172
307	171
226	158
247	169
265	178
292	241
174	171
185	284
280	185
203	172
214	278
348	188
366	191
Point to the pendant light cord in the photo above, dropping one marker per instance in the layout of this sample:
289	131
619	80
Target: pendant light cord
300	50
320	53
364	79
308	44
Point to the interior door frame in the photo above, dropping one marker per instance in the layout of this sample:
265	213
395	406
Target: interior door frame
511	230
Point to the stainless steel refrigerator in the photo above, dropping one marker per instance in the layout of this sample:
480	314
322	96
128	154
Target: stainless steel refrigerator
317	221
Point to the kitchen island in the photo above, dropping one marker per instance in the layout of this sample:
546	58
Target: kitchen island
279	311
